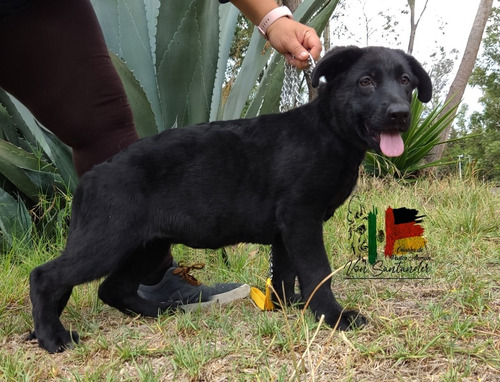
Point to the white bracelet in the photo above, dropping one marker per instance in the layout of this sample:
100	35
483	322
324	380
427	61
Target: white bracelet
271	17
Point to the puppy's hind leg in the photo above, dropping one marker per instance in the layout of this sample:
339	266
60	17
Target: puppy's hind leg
83	260
119	290
63	300
51	285
48	299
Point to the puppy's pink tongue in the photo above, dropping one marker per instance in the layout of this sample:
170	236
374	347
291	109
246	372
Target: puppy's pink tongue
391	143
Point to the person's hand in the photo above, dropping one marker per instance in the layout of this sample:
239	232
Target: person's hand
295	41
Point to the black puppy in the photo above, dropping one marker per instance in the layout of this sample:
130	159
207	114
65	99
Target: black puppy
273	180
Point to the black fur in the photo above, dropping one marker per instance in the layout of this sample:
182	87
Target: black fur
273	180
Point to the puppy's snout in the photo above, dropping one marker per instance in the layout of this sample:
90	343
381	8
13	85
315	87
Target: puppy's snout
398	114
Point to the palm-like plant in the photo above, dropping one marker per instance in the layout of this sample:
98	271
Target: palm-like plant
174	58
32	162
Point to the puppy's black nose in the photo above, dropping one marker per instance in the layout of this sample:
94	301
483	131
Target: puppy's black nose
398	113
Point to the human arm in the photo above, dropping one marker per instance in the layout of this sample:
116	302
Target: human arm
289	37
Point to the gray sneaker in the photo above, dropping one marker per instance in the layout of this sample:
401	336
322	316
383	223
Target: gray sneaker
178	285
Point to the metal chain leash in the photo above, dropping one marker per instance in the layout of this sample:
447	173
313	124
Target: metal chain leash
271	263
290	99
290	89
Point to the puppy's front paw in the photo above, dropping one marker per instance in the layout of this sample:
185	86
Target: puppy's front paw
58	343
350	319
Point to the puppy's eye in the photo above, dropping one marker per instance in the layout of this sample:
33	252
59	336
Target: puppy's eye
405	80
366	81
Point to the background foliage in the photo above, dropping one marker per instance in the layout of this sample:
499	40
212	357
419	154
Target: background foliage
33	164
173	58
482	147
183	55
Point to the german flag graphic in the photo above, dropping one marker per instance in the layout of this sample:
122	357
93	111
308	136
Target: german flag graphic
403	234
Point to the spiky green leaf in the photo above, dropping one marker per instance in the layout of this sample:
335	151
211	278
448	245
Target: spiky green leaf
14	219
144	117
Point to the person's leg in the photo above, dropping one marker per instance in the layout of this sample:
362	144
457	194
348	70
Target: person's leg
55	61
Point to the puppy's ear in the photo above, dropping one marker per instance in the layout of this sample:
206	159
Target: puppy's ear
424	81
335	62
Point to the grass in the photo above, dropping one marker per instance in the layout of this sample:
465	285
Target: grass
445	328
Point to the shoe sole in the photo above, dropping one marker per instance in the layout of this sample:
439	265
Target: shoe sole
239	293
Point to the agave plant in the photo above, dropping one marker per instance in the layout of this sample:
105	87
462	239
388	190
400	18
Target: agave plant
422	135
172	58
32	162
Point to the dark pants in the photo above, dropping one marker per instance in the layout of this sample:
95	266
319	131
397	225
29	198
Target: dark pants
54	60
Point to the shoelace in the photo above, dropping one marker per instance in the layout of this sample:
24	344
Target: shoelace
183	270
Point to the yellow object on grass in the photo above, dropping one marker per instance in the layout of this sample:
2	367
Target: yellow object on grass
263	301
